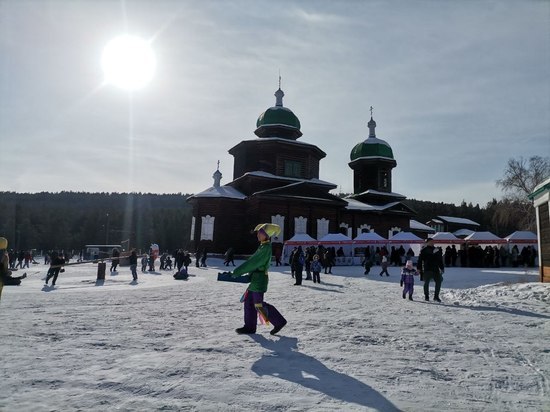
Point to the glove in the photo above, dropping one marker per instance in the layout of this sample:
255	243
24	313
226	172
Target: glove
401	283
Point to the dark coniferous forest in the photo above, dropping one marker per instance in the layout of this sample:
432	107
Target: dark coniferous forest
70	220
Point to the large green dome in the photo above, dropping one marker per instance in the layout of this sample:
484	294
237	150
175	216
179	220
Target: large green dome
372	147
278	116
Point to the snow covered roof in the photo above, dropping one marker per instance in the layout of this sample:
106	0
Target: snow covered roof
220	191
446	237
416	225
301	238
280	139
369	237
334	237
458	220
357	205
405	237
377	192
484	237
272	176
522	236
463	232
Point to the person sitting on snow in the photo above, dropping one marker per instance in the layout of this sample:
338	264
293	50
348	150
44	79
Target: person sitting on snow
5	274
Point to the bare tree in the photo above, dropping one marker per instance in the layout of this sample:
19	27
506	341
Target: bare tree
522	176
519	181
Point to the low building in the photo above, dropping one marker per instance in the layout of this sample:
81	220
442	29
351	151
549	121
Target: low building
452	224
541	201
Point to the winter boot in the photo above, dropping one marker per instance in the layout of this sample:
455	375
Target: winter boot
277	329
245	331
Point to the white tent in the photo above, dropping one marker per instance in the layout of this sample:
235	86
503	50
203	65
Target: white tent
521	236
301	239
339	240
462	233
408	240
304	240
369	238
364	240
486	238
405	237
335	238
446	238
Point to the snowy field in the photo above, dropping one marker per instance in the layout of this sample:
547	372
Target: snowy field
351	343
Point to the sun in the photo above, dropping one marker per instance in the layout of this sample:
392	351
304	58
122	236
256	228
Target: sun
128	62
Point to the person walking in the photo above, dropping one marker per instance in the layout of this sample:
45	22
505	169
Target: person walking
257	266
407	279
430	266
133	264
384	266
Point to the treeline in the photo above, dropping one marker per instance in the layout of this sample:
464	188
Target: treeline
70	220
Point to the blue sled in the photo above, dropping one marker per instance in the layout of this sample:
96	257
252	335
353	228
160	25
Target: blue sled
226	277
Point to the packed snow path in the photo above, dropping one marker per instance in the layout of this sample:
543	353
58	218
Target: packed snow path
351	343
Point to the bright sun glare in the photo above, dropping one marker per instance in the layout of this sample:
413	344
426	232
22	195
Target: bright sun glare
128	62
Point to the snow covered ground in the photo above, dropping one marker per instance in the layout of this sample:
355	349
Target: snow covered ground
351	343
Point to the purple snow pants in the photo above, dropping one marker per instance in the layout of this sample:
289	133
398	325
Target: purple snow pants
408	288
251	315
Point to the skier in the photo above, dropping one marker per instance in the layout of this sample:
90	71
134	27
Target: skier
257	265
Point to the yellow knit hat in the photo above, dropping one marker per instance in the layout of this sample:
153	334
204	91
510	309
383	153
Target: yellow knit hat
271	229
3	243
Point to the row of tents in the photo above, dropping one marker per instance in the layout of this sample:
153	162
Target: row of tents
408	240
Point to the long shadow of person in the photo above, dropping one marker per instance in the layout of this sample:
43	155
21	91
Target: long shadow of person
285	362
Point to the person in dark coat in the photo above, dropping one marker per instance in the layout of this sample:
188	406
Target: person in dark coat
56	263
114	260
133	264
430	266
298	260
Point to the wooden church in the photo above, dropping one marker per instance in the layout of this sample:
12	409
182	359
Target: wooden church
276	179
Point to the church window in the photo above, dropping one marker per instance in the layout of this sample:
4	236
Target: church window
207	227
322	228
300	225
384	179
279	220
293	168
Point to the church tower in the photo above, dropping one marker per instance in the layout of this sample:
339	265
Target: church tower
372	163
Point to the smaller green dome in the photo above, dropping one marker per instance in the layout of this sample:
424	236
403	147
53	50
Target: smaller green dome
278	116
372	147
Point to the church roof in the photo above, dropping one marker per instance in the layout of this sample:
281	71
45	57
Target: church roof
290	179
278	139
220	191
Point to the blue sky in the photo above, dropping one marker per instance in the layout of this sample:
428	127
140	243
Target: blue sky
458	88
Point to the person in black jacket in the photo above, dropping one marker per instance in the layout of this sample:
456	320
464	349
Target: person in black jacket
56	263
133	264
430	266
